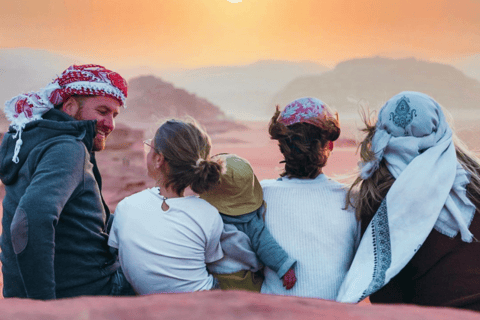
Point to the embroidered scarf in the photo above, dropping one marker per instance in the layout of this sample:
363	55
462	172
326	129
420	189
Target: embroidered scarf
414	138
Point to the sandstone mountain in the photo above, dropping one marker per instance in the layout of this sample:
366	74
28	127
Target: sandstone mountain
23	70
243	91
470	65
372	81
151	99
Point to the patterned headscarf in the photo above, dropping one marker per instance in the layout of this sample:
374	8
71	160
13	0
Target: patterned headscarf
85	80
308	110
429	191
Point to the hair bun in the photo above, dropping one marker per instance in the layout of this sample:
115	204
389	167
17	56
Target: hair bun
276	129
332	130
207	173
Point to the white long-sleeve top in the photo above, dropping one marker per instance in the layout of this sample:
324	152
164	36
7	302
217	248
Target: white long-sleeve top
307	218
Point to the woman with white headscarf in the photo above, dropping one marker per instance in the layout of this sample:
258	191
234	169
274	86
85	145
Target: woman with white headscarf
419	193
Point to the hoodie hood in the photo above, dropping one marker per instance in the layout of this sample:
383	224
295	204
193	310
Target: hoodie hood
54	123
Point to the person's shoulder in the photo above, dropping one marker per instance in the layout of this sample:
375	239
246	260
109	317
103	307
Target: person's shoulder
201	204
336	187
66	151
200	211
67	144
273	185
336	184
195	206
283	183
268	182
62	140
137	197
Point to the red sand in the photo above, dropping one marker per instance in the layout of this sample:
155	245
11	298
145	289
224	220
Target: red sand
213	305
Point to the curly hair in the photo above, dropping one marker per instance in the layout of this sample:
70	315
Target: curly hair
186	148
304	146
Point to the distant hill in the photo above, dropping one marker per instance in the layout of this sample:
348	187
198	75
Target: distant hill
151	99
470	66
242	92
375	80
23	70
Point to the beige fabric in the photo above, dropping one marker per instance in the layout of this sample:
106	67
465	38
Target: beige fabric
239	191
241	280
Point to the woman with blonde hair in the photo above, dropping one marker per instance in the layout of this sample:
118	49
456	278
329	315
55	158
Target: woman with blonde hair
164	238
418	200
305	208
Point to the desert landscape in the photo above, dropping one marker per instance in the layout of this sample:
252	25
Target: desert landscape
228	63
152	100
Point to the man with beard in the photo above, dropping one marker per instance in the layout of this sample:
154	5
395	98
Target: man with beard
54	240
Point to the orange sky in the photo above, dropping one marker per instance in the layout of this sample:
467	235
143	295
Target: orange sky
192	33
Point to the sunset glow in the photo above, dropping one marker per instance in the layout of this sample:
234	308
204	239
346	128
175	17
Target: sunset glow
192	33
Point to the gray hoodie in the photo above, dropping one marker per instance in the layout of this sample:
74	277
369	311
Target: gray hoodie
54	240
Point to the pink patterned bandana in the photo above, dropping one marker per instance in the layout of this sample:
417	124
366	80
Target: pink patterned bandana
85	80
308	110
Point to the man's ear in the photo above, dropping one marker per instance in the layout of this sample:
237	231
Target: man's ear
71	106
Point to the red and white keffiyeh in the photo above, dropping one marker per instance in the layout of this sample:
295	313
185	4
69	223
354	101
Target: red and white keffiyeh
84	80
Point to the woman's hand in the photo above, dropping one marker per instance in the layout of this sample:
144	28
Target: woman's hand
289	279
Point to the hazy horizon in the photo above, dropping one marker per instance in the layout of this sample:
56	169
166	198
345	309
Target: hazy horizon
462	62
243	92
198	33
